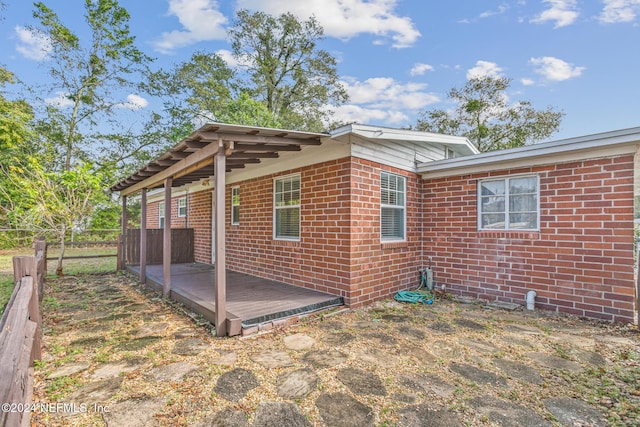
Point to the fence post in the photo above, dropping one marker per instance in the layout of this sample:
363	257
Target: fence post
26	266
40	247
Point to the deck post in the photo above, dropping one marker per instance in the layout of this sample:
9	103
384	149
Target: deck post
143	236
123	252
221	268
166	242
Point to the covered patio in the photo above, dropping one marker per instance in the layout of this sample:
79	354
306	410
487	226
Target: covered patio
250	301
214	150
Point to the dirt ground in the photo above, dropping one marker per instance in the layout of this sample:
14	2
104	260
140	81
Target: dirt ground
116	354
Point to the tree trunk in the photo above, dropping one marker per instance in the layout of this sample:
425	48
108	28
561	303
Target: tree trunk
59	271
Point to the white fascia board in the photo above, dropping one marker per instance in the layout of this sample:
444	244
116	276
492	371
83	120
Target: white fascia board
393	134
585	147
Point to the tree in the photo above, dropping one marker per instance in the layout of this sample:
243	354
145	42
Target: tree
286	70
15	135
54	202
89	78
484	115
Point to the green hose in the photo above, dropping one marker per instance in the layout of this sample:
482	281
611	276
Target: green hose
414	297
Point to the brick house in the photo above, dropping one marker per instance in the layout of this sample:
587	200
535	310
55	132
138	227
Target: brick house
359	211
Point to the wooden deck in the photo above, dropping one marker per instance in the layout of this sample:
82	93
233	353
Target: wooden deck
251	299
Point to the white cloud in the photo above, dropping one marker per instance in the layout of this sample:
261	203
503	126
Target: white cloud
347	18
527	81
355	113
61	100
619	11
419	69
386	93
383	100
554	69
562	12
201	20
33	44
134	102
486	14
484	69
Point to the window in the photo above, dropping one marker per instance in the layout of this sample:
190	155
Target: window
509	204
449	153
182	207
161	215
287	208
235	205
392	206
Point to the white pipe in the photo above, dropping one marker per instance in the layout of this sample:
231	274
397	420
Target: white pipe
531	300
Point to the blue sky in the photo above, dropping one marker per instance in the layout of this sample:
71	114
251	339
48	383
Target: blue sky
399	57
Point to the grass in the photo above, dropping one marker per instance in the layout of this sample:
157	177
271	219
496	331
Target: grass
71	267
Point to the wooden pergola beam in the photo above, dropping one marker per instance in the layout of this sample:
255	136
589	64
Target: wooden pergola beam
238	138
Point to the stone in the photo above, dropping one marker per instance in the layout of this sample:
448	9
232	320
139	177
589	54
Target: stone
183	333
190	346
479	346
410	332
298	342
519	371
395	318
501	305
172	372
428	383
442	327
571	412
507	414
272	359
381	337
365	325
96	392
477	375
362	382
277	414
470	324
554	362
324	358
446	350
88	342
522	329
133	412
69	369
150	329
342	410
404	397
376	356
114	369
224	358
589	357
332	325
226	418
338	339
235	384
297	384
138	343
423	416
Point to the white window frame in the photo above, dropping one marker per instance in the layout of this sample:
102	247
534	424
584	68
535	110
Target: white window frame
161	215
397	207
235	205
182	206
507	212
276	208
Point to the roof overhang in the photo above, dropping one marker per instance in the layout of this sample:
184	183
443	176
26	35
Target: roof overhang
599	145
462	144
192	159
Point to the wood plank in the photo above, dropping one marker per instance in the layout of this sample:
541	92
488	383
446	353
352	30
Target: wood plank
143	235
166	242
220	242
256	139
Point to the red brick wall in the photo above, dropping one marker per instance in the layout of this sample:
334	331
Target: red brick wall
378	270
581	260
198	217
339	249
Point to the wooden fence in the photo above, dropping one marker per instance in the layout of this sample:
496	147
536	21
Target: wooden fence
182	246
21	336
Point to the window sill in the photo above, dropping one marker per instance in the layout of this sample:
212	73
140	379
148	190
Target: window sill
394	245
509	234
